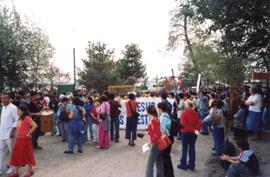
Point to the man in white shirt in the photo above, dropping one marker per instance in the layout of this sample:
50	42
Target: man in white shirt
9	120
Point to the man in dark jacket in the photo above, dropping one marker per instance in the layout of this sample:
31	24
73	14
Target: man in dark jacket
114	113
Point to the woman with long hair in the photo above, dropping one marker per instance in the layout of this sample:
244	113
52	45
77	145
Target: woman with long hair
22	153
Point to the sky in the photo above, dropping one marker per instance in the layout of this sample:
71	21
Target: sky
72	23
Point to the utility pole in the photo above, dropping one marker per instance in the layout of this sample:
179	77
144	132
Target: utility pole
74	68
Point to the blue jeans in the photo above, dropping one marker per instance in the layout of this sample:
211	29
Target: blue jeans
89	125
155	157
54	121
131	128
188	145
218	137
237	170
114	128
64	128
203	116
75	139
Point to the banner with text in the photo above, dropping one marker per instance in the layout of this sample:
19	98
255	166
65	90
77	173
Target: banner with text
143	119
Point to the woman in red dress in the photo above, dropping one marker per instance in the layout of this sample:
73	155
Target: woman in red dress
22	153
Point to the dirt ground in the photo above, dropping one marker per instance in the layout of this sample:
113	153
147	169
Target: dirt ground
124	161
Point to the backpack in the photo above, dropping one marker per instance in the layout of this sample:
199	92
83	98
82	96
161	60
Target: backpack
229	149
63	116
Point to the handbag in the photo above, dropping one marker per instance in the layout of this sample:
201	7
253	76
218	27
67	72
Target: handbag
134	113
163	142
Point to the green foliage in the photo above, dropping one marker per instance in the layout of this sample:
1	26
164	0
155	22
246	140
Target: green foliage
244	27
24	51
99	68
130	67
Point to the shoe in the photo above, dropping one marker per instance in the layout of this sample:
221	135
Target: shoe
13	175
181	167
37	147
98	147
80	151
64	140
68	152
116	141
204	133
10	171
191	168
132	144
30	173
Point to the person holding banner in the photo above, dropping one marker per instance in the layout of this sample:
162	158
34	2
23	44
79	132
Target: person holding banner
154	133
132	119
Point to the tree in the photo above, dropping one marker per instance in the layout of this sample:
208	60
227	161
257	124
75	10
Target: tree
39	53
244	27
99	68
12	50
55	75
130	67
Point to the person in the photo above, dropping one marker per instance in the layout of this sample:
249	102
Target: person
254	114
88	125
95	119
53	105
76	126
154	133
165	126
114	113
168	104
239	124
132	121
104	124
35	108
181	105
246	164
63	113
9	120
203	109
22	153
218	121
191	124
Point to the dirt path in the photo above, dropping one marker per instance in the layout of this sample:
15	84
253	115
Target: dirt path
123	161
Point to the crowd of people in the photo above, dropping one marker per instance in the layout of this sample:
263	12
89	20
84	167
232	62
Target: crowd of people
81	117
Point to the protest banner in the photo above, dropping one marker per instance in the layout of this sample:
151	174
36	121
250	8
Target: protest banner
143	119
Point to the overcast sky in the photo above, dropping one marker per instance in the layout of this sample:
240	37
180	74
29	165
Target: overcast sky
71	23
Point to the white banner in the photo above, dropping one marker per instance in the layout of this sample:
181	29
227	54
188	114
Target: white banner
143	119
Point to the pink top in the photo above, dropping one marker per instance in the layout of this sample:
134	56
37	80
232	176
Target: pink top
23	127
104	108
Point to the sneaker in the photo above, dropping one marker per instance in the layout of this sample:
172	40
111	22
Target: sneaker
191	168
10	171
68	152
80	151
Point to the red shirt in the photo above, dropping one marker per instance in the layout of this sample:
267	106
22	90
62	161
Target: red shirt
23	127
154	130
190	121
134	105
94	112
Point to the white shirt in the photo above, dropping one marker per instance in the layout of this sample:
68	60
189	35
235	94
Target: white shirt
257	100
9	120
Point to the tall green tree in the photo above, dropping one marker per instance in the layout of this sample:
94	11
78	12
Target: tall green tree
12	50
130	67
244	27
99	68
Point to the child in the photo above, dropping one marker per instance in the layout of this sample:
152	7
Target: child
22	153
95	120
246	164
